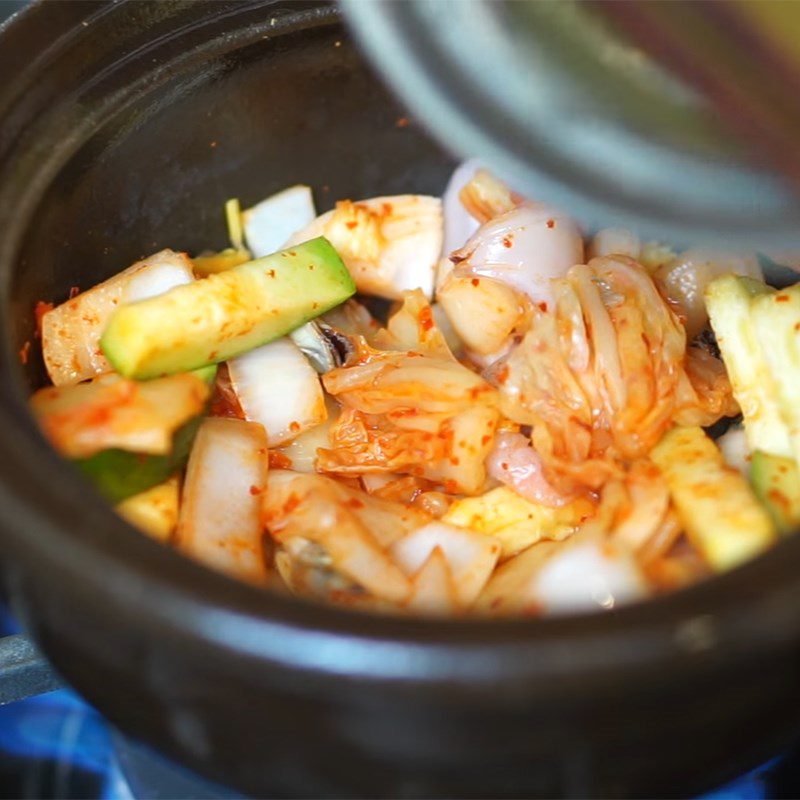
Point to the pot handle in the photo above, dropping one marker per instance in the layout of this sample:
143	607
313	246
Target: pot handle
24	671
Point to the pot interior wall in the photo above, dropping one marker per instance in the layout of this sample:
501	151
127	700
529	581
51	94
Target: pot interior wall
298	107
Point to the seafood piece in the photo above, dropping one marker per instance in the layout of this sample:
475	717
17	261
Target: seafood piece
523	248
389	244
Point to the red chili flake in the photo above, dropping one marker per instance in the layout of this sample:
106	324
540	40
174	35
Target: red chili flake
354	502
543	307
24	352
502	374
294	427
782	298
39	310
401	122
387	208
255	490
352	224
426	318
504	465
455	460
212	355
291	504
486	439
476	282
797	326
451	487
279	460
508	241
271	273
262	451
551	223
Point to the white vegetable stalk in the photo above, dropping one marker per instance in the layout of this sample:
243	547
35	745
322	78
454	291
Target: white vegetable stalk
220	518
433	591
71	332
279	389
470	556
588	577
269	224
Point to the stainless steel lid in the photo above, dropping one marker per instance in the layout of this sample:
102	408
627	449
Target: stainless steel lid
567	108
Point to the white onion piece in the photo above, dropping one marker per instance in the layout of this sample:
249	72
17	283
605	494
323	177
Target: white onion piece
524	249
459	224
71	332
735	450
220	522
302	450
588	577
471	556
279	389
686	277
615	241
163	272
433	591
269	224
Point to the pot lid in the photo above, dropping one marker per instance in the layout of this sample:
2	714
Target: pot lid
651	115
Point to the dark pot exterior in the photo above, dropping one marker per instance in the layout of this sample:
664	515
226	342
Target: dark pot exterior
123	128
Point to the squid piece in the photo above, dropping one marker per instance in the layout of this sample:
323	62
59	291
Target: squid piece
389	244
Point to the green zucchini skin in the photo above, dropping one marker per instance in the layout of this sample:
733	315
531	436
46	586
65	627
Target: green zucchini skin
119	474
228	313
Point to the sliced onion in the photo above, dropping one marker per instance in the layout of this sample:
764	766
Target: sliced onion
71	332
584	573
279	389
589	577
220	521
162	272
459	224
320	510
735	449
302	450
471	556
269	224
433	589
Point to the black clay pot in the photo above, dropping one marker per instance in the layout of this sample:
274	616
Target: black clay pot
123	127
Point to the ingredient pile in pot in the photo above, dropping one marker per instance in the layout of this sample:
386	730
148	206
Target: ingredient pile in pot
530	428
